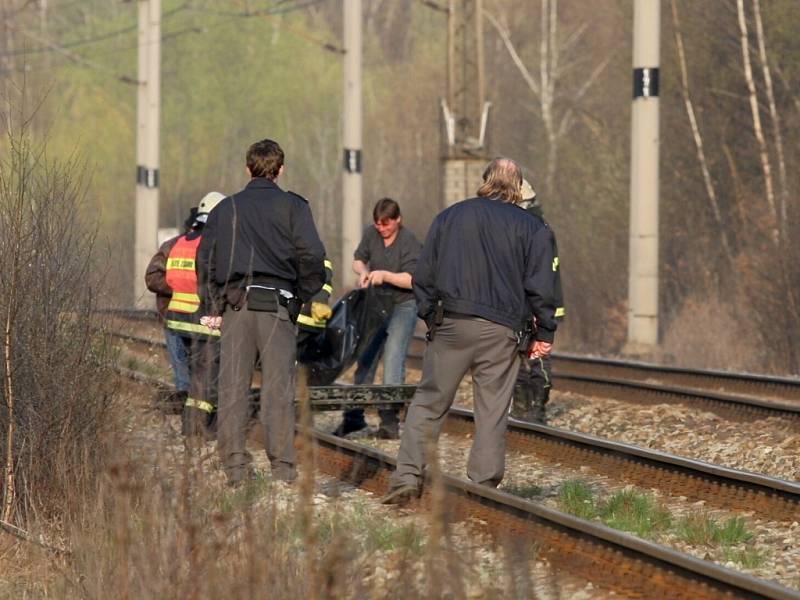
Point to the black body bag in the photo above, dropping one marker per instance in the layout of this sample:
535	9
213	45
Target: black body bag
357	318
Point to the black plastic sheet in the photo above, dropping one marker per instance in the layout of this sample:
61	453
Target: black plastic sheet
356	319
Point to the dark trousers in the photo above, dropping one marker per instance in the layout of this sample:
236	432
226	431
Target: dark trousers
490	351
535	372
246	335
390	343
203	373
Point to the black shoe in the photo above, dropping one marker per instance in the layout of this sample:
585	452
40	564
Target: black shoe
401	496
347	426
538	412
521	402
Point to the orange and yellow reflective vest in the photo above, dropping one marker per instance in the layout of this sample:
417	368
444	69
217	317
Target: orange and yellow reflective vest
183	311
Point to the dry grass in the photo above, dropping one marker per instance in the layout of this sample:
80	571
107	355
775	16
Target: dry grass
161	523
171	529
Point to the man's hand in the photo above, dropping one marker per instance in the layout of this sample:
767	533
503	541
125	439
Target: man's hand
540	349
377	277
211	322
320	311
363	279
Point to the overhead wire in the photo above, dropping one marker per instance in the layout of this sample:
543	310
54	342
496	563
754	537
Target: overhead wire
63	49
270	16
92	40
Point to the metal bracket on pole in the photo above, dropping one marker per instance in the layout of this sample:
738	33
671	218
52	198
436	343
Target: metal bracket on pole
645	82
352	160
147	177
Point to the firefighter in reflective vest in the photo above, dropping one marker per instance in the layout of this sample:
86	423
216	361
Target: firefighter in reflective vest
532	389
316	312
183	317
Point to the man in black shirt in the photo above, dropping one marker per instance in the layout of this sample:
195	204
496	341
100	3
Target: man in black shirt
264	258
485	269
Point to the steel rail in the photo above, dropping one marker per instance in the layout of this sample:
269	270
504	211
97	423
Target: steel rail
792	383
586	384
724	481
595	552
656	392
702	376
581	547
717	485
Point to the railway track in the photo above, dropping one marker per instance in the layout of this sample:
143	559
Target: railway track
750	391
717	486
609	559
777	389
642	383
735	396
714	485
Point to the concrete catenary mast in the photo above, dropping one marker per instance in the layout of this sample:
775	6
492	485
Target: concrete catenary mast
465	109
148	109
351	179
643	258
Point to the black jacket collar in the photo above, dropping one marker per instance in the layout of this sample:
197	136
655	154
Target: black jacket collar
261	183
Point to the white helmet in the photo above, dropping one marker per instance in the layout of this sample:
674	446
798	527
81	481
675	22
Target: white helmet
207	204
528	193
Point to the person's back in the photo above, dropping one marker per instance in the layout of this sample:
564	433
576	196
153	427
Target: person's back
483	250
264	260
262	236
485	269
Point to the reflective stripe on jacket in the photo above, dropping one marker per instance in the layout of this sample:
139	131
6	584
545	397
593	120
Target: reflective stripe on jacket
304	319
183	312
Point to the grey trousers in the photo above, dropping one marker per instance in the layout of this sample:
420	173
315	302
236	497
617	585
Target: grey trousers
490	350
246	335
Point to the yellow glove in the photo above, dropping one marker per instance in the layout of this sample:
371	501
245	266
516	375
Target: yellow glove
320	311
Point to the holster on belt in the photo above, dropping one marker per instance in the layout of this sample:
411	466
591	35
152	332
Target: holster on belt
525	337
435	319
266	299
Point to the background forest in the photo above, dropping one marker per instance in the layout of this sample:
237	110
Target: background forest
234	71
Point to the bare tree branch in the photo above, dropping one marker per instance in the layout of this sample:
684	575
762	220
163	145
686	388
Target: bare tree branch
773	111
512	51
698	140
751	87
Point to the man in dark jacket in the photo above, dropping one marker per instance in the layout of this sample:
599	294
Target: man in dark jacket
264	259
532	390
485	269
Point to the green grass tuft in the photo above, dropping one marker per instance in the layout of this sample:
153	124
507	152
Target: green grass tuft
733	531
749	558
577	498
245	495
371	532
704	530
637	513
697	529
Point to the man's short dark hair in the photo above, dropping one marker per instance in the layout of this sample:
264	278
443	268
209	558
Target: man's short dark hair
265	159
385	208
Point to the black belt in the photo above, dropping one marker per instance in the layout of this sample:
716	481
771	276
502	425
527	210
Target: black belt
457	315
